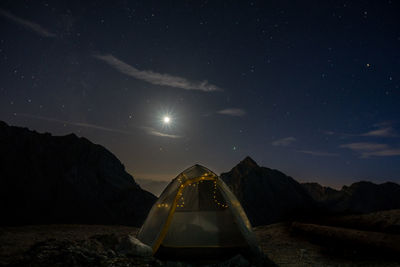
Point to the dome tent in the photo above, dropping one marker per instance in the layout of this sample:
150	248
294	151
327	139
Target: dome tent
197	215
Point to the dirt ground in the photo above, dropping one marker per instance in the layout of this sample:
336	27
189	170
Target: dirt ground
277	241
15	241
285	248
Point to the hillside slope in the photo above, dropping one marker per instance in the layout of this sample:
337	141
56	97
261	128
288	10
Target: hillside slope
360	197
267	195
65	179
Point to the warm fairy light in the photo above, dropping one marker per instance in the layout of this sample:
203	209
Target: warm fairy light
215	196
181	202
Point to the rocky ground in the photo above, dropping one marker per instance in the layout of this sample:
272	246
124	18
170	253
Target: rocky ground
286	247
387	221
98	245
81	245
66	245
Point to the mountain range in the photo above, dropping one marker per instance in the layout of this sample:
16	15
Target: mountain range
360	197
270	196
67	179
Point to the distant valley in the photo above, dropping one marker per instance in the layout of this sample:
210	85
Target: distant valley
154	186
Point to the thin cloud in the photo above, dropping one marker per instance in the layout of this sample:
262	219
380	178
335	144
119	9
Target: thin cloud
149	130
154	132
383	129
318	153
27	24
364	146
382	132
383	153
157	78
366	150
284	141
80	124
232	112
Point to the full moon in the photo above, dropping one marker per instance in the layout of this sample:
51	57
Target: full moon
166	119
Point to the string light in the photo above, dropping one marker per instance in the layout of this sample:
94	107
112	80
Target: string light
181	202
215	196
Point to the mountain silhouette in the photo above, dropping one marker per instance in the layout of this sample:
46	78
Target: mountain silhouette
267	195
65	179
360	197
270	196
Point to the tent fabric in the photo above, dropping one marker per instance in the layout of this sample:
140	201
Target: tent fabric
197	210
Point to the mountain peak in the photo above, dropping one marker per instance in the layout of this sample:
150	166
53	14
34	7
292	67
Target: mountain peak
267	195
248	162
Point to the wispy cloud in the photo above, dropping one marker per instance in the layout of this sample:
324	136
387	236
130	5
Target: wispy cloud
284	141
157	78
232	112
364	146
149	130
366	150
384	153
27	24
381	132
153	131
384	129
80	124
318	153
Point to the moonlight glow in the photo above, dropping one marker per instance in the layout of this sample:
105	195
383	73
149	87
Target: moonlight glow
166	120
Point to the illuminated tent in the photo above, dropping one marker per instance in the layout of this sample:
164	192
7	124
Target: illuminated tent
197	215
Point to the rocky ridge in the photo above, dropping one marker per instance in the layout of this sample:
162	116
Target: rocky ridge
65	179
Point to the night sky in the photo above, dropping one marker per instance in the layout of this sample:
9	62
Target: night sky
311	88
